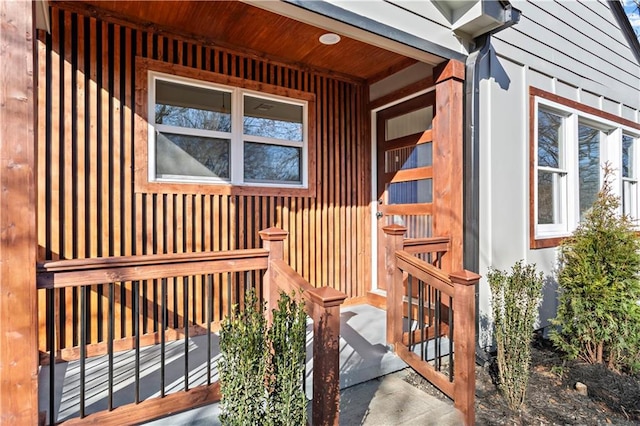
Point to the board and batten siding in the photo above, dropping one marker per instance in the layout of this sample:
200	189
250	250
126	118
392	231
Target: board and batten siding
574	50
87	202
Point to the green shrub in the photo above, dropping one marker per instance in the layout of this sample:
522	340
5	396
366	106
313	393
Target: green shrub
243	365
515	299
598	318
287	402
261	369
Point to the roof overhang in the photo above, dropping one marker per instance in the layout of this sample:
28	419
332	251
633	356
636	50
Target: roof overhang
336	19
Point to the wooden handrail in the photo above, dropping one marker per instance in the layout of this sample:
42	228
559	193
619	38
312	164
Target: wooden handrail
460	286
425	272
324	309
322	305
427	245
78	272
288	280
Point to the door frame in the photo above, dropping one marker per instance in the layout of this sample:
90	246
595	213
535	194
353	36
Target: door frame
373	285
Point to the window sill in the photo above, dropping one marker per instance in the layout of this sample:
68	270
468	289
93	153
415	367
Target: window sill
163	187
546	242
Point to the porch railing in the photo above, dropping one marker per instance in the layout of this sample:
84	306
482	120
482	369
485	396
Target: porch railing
431	316
201	285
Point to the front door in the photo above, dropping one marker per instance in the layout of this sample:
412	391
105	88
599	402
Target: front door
405	173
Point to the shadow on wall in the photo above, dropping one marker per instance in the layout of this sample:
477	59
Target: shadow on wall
549	305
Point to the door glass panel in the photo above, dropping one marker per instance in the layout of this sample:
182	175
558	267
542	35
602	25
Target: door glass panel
408	124
410	192
408	157
418	226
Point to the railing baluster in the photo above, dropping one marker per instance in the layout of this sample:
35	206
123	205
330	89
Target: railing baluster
136	330
410	313
163	325
437	328
83	345
421	286
51	337
111	337
209	317
185	287
229	301
451	325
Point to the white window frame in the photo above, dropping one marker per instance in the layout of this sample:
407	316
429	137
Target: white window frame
634	210
610	151
236	136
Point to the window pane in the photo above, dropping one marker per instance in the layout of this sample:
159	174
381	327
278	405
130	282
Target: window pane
549	139
549	196
272	163
588	165
272	119
192	107
411	192
627	157
195	156
408	157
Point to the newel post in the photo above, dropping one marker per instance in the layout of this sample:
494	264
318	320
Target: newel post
464	337
273	241
326	357
394	236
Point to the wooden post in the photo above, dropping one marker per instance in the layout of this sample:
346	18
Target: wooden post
394	235
326	358
447	159
18	298
464	338
272	240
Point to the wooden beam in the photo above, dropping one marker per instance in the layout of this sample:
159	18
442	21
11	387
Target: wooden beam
18	299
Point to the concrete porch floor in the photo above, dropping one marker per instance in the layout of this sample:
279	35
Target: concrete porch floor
370	376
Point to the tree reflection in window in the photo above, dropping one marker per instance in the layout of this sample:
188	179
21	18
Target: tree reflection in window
272	163
588	166
550	163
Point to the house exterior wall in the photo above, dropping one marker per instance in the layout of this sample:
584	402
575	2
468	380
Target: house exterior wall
88	204
572	49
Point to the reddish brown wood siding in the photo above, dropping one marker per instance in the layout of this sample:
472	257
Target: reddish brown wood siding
87	205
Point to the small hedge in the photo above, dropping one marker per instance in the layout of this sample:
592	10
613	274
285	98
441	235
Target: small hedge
261	369
515	300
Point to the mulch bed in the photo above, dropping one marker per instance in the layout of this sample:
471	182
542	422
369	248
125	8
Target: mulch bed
612	398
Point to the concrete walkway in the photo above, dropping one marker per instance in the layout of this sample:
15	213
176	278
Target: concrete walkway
384	401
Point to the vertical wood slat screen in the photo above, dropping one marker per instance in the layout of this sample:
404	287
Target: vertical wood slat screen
87	206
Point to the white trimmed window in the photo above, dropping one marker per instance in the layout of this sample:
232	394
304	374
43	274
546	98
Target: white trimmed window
207	133
570	147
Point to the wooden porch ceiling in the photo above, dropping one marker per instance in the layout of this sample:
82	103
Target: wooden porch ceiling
242	27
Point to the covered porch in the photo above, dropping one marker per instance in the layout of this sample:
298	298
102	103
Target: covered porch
80	186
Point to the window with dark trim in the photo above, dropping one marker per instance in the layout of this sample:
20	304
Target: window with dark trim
570	143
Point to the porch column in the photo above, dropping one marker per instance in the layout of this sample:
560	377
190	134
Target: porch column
18	298
448	159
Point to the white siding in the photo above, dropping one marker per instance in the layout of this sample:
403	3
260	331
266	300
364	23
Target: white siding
575	50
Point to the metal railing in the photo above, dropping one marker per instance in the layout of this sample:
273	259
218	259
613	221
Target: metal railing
203	287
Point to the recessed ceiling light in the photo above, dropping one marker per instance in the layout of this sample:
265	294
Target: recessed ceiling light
329	38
